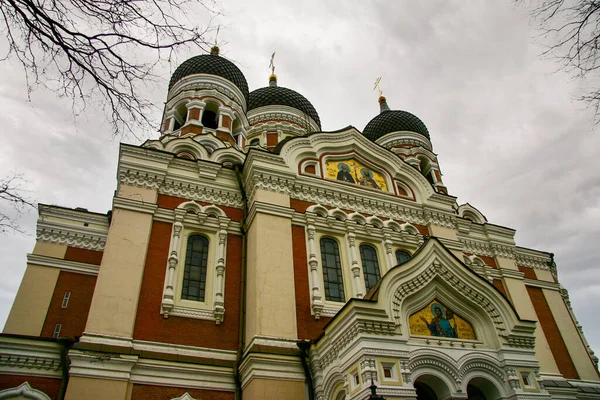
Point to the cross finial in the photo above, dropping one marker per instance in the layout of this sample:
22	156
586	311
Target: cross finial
272	63
376	86
217	34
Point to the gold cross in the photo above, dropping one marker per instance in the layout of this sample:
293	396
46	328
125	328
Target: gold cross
272	63
377	86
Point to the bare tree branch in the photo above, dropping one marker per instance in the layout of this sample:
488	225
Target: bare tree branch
92	50
11	196
571	29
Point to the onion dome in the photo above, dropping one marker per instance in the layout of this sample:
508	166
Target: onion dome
211	64
280	96
393	121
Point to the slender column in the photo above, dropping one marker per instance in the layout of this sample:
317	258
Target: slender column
389	251
168	296
219	307
313	264
355	267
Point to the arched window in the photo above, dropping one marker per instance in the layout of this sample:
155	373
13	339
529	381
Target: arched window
402	256
194	274
368	257
332	270
210	115
180	116
254	142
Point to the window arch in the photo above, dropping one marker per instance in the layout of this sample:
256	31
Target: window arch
210	115
368	257
402	256
332	270
180	116
194	274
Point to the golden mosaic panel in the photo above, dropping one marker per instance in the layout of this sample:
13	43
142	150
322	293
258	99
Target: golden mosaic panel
435	319
353	171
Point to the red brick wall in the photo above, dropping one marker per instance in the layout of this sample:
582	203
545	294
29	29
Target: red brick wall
74	317
308	327
529	272
84	255
150	392
300	205
553	336
150	324
500	286
50	386
171	202
489	261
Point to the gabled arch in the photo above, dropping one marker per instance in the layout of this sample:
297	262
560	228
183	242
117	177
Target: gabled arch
186	145
338	214
319	210
227	155
393	225
358	218
23	391
409	228
469	212
375	221
348	141
434	271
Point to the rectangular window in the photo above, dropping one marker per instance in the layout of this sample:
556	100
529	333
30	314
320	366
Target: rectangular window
387	372
332	270
56	333
66	298
194	275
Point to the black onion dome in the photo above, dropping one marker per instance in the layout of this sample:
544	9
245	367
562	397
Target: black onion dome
277	95
392	121
211	64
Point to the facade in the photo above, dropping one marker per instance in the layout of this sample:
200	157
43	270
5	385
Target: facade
250	255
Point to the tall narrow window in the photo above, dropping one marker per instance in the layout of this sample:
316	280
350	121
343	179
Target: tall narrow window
332	270
368	257
194	274
66	298
56	333
402	256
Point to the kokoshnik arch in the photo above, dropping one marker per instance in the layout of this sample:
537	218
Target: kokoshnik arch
248	254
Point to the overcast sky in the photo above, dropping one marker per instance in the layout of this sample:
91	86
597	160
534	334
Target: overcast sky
510	138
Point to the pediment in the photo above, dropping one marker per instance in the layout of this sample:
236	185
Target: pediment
434	278
351	162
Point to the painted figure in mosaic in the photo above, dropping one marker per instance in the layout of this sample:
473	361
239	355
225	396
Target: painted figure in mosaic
344	173
367	179
440	324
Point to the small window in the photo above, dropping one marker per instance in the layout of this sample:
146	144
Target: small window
402	256
180	116
210	116
356	380
254	142
332	270
194	274
387	372
368	257
527	379
66	298
56	333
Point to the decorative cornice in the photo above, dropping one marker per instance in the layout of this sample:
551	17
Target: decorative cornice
534	259
39	357
208	193
85	238
63	265
483	248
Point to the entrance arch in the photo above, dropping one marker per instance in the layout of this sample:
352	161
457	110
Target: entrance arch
431	387
480	388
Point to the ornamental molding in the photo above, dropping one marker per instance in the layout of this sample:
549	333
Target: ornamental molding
219	86
76	215
409	140
63	265
23	391
24	356
483	248
519	336
52	232
198	192
140	178
534	259
283	113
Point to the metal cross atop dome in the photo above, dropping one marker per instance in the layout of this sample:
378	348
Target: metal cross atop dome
376	86
272	63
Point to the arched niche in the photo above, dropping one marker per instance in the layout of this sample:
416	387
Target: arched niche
438	290
432	384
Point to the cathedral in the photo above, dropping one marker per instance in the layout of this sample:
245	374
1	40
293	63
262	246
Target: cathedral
250	255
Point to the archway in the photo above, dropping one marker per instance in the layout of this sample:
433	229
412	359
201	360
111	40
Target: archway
480	388
431	387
